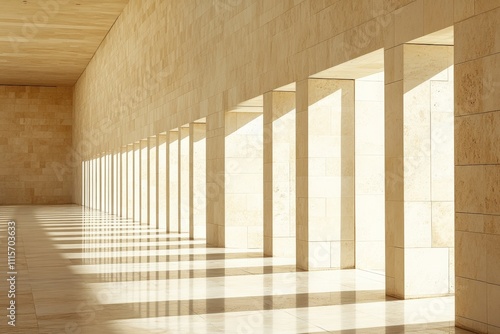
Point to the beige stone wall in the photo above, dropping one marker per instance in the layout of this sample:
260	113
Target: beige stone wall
477	168
35	142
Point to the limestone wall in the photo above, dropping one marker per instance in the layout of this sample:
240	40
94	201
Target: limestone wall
35	143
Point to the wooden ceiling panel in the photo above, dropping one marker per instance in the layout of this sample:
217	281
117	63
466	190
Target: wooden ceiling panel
50	42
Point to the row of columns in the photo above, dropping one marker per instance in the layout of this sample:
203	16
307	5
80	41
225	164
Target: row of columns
303	174
311	199
153	181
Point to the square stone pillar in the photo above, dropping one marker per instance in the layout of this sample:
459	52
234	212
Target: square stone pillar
84	183
124	183
90	183
116	185
419	170
101	190
216	176
325	174
102	182
95	184
197	181
109	182
130	181
153	179
173	181
244	180
94	200
162	161
184	179
137	182
279	174
144	175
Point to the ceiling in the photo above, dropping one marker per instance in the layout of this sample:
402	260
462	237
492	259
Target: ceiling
50	42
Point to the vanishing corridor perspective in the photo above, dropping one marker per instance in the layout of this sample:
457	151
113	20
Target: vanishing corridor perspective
250	166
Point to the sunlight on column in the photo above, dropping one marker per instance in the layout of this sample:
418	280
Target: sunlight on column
162	182
420	174
106	179
144	188
279	174
184	179
197	178
83	182
116	183
104	183
153	179
137	182
173	181
130	181
98	188
123	180
91	184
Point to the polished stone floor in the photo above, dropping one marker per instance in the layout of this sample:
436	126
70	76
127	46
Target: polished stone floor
83	271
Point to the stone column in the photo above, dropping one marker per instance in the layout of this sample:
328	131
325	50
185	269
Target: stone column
184	196
215	178
101	190
197	181
137	182
94	185
173	181
419	170
162	160
109	182
87	180
279	174
116	184
102	182
130	181
144	175
153	186
84	183
325	173
124	182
